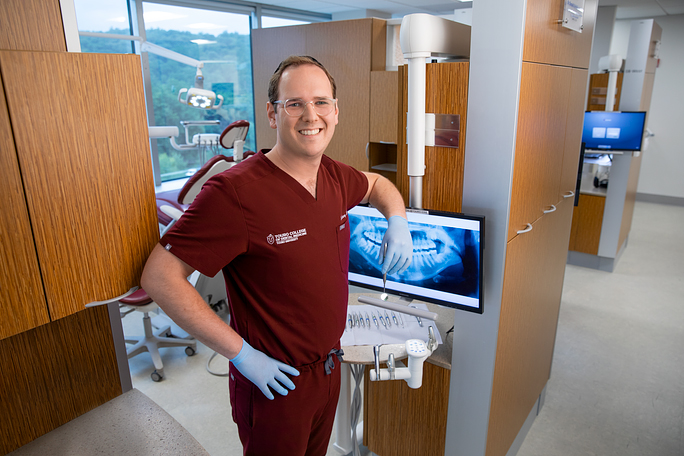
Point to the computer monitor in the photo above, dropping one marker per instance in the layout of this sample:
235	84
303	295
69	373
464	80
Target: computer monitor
613	131
447	257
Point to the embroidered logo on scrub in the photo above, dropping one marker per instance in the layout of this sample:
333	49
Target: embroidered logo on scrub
286	237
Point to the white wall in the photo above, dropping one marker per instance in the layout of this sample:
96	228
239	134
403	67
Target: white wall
662	167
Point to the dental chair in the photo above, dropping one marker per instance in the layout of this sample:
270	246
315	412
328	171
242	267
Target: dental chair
170	207
232	137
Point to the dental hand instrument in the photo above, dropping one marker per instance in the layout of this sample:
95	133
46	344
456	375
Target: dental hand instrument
420	322
264	371
363	325
387	318
368	321
382	320
350	320
375	320
394	319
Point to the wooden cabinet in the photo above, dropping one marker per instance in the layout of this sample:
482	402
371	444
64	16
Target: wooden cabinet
31	25
533	282
573	133
542	116
384	107
78	222
80	144
19	272
547	41
350	50
587	220
549	140
552	93
399	420
384	124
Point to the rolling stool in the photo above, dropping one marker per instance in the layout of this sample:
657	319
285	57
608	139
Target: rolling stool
153	340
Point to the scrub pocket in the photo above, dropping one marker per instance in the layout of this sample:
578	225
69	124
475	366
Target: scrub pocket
241	396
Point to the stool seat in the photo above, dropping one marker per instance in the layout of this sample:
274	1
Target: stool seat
153	339
137	299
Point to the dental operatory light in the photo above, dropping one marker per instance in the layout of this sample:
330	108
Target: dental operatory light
198	97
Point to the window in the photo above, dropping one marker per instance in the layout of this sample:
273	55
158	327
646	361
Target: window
219	38
109	17
221	41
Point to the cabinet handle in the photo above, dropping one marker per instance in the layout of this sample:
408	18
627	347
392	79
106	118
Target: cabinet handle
367	146
548	211
109	301
526	230
570	194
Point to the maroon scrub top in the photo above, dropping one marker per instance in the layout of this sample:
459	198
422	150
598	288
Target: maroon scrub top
284	253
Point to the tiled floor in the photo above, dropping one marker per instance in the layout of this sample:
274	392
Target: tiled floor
617	385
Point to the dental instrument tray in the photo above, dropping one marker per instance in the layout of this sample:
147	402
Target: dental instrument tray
371	325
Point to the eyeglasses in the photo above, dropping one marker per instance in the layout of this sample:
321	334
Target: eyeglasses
295	106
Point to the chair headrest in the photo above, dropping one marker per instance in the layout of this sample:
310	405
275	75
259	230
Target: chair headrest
236	131
192	187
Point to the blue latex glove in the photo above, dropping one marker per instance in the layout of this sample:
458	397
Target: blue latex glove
264	371
399	246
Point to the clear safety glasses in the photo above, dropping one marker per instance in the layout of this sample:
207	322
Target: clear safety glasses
295	106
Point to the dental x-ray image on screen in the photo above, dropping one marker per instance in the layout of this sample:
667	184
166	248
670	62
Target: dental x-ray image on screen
446	267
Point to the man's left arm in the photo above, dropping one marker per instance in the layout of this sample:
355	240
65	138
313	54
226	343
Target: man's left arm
396	250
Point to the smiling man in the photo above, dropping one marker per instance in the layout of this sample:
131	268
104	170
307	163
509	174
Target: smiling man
276	225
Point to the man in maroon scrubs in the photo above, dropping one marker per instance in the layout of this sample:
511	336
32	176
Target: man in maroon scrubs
276	224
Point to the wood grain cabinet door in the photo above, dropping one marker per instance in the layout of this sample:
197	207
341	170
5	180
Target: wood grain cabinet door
540	144
81	138
22	300
533	282
573	133
547	41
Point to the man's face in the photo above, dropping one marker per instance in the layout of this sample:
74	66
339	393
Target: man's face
307	135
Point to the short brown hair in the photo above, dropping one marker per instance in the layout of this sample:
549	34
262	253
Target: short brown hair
294	61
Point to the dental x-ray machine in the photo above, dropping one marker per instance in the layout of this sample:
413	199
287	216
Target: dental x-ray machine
422	36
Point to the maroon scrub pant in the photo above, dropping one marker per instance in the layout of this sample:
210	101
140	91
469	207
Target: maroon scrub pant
298	424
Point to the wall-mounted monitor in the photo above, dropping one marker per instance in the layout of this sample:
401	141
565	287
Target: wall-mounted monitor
447	257
613	131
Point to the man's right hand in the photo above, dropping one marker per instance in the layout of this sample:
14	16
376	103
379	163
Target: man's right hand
264	371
